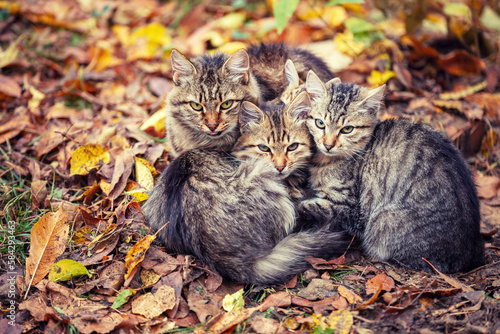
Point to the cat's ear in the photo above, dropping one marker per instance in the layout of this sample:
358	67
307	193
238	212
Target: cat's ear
334	81
238	66
249	113
182	68
292	77
300	107
374	99
314	86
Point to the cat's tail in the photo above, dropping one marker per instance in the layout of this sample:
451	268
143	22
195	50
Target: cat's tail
288	257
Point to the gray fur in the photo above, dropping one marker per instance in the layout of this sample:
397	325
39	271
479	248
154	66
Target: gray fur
256	75
403	188
236	217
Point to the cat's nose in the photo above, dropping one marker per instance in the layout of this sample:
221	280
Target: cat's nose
280	168
212	127
328	147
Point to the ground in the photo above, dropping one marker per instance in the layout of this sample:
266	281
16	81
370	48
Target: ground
81	140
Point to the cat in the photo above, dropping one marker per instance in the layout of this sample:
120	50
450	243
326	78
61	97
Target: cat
202	107
236	217
403	188
277	134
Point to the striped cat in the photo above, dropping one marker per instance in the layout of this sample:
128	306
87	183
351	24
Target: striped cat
202	108
236	217
403	188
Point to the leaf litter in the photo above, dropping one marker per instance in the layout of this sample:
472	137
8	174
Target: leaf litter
82	125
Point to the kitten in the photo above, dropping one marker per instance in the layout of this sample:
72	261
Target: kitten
403	188
202	107
278	134
236	217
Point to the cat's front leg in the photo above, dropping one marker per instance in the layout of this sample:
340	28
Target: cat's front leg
318	205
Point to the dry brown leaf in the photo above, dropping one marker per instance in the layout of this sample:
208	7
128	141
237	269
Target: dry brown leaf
487	186
152	305
48	241
349	295
9	87
38	193
381	281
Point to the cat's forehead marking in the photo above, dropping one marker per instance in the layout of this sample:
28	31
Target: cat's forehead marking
341	96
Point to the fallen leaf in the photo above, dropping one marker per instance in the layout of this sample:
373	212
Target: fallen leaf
88	157
9	87
48	241
143	175
381	281
38	193
234	302
349	295
122	298
487	186
67	269
137	253
152	305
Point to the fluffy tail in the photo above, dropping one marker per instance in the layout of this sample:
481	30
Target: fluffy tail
288	257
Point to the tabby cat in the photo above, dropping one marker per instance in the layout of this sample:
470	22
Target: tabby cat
202	107
403	188
236	217
278	134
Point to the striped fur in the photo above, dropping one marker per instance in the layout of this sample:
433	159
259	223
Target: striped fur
403	188
202	107
278	135
236	217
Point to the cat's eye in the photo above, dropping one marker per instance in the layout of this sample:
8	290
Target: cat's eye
347	129
227	104
319	123
292	147
196	106
264	148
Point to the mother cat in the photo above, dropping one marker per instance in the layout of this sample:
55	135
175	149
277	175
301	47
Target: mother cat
202	107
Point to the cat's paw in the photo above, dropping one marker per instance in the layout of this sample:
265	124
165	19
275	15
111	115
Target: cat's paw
316	205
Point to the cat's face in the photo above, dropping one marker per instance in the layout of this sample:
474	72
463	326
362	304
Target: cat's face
277	134
209	90
343	116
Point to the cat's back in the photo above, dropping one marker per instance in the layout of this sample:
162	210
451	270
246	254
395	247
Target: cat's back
416	184
267	62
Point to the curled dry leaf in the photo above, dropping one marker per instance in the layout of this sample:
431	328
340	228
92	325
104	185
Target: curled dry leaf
48	242
137	253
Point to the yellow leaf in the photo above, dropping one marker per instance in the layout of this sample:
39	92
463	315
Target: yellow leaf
156	121
345	43
378	78
136	254
231	21
36	97
122	33
149	277
48	242
335	15
10	54
143	175
145	41
105	187
231	47
234	302
340	321
88	157
103	57
67	269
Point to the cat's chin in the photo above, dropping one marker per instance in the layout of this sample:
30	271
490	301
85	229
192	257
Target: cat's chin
214	133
